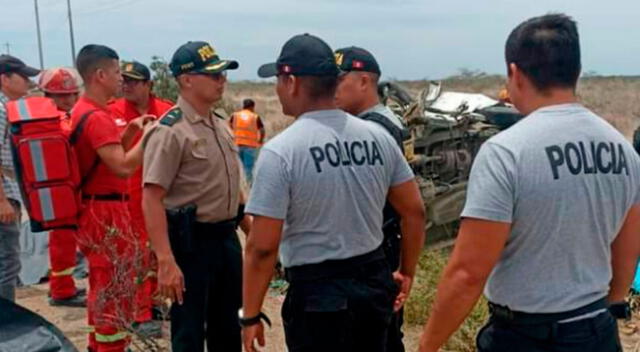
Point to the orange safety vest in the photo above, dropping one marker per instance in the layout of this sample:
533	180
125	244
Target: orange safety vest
245	128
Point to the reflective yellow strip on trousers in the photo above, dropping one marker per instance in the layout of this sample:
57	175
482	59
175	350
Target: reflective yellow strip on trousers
65	272
111	338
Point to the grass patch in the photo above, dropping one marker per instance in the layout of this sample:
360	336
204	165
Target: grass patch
418	306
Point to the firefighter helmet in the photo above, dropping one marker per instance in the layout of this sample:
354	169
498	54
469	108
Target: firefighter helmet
60	80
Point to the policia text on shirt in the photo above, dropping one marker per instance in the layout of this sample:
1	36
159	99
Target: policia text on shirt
344	153
598	157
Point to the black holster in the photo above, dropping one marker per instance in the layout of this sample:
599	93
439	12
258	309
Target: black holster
181	224
392	236
240	215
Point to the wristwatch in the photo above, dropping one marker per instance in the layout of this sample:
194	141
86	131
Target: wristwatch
246	322
620	310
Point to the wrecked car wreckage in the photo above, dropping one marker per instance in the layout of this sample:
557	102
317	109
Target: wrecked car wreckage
446	132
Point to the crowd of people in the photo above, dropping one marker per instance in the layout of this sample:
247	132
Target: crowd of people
550	229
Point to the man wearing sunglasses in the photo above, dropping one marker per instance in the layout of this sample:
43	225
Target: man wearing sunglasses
191	197
139	100
14	84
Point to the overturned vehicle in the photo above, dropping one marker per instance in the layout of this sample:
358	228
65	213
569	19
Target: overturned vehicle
446	132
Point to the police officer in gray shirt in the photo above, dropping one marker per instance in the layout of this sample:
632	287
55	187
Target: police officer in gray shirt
357	94
357	91
552	218
318	195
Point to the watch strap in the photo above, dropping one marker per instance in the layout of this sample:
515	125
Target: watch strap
620	310
246	322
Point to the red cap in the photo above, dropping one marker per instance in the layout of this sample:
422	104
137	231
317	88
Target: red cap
60	81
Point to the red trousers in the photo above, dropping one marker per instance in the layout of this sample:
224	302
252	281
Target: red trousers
147	281
62	259
107	238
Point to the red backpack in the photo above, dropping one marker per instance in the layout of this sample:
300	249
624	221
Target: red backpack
46	166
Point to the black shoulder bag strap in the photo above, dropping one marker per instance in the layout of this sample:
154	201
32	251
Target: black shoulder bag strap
73	139
398	134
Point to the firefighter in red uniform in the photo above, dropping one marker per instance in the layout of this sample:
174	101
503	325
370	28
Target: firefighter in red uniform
249	134
138	100
107	156
62	85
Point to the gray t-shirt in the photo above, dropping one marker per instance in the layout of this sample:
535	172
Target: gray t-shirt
565	180
386	112
327	175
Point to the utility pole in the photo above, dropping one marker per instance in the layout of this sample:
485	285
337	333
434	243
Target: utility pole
35	2
8	46
73	41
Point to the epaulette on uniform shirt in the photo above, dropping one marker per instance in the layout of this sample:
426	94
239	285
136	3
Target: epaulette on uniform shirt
168	119
221	114
171	117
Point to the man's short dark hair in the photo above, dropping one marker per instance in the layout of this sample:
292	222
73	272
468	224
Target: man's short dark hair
248	103
320	86
92	57
547	50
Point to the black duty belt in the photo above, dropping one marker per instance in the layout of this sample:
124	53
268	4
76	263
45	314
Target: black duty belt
112	197
506	315
333	268
222	227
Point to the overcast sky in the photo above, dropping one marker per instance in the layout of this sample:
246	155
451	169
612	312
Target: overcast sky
412	39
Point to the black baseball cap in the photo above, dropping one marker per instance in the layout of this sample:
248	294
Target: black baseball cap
199	57
354	58
11	64
136	71
302	55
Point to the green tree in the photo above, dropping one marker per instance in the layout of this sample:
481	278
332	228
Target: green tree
164	85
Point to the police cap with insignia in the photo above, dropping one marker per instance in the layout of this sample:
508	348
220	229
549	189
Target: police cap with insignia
354	58
135	71
302	55
199	57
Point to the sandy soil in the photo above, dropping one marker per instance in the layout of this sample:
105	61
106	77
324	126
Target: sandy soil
72	321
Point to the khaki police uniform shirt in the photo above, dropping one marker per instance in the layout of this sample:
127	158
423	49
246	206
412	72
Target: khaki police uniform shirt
196	161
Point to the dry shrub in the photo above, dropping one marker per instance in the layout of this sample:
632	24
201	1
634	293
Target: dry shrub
119	244
418	307
614	98
267	104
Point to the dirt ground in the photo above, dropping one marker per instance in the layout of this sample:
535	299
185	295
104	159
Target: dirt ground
72	322
612	97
